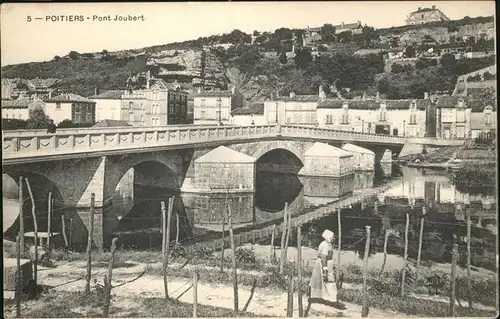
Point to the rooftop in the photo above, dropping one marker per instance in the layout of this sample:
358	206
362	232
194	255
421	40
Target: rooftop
224	154
109	95
299	98
449	101
69	97
478	106
111	123
325	150
425	10
213	94
254	108
373	104
478	121
16	104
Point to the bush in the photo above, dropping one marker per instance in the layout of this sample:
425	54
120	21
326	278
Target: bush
245	255
13	124
74	55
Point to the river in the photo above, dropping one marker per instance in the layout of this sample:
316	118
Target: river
138	209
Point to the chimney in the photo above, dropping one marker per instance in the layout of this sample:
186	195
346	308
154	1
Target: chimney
50	94
377	98
433	7
426	95
321	92
292	94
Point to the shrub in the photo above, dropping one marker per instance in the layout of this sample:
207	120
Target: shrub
245	255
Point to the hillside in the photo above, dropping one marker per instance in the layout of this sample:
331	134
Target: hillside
262	62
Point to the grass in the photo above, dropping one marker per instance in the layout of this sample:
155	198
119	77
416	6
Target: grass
409	305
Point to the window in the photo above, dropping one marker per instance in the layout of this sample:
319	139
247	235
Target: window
131	116
131	105
89	117
142	118
487	119
345	114
58	105
203	115
217	114
203	102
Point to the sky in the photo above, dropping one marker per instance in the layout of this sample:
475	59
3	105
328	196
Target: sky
40	40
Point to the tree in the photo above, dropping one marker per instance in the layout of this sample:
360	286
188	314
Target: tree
74	55
283	34
410	51
37	119
256	33
345	37
56	58
488	76
397	68
104	52
283	59
327	33
302	58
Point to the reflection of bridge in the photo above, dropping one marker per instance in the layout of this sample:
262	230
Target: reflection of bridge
22	147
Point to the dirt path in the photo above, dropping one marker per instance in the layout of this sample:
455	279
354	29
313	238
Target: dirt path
265	301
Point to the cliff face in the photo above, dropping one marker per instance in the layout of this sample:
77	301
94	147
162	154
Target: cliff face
195	67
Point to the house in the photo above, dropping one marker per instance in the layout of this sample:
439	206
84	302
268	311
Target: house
426	15
452	117
311	35
482	117
394	117
108	105
214	107
133	107
293	109
354	28
71	107
250	115
166	104
19	109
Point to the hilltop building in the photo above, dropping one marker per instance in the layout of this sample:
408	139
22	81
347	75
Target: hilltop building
354	28
426	15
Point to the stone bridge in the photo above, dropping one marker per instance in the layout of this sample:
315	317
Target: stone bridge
72	165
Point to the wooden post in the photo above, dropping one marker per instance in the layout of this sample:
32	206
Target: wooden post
337	270
21	214
405	257
288	231
385	251
166	241
222	246
283	234
89	243
453	270
49	221
273	255
420	243
108	279
63	230
71	233
163	226
195	294
299	271
469	287
365	309
35	225
289	307
233	257
177	227
18	276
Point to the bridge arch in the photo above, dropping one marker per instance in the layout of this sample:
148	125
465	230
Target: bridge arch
276	145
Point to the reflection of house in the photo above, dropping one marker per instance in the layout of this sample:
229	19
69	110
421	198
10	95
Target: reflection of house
452	117
426	15
364	159
250	115
72	107
19	109
394	117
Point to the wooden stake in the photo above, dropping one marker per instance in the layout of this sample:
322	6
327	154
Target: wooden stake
195	294
365	309
21	213
299	270
108	278
18	276
289	307
420	243
222	246
63	230
288	231
385	251
35	224
469	287
89	243
177	228
405	257
273	254
283	234
453	270
337	271
233	257
49	221
71	233
163	227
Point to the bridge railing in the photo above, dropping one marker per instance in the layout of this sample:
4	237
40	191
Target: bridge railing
293	130
61	142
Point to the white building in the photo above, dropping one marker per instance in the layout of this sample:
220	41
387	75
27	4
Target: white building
251	115
364	159
293	109
394	117
108	105
71	107
19	109
212	107
452	117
